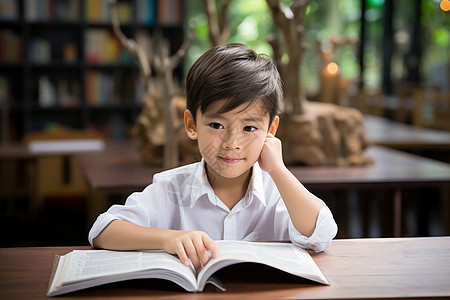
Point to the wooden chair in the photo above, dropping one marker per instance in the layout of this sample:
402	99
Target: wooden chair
370	103
404	106
58	175
431	108
442	113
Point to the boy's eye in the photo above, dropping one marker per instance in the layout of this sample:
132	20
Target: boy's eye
249	128
216	125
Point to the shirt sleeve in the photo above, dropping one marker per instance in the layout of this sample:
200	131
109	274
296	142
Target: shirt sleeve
135	210
325	231
102	221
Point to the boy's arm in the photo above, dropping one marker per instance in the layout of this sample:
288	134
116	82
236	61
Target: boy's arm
188	245
302	206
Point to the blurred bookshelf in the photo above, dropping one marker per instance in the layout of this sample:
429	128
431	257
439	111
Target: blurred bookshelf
60	62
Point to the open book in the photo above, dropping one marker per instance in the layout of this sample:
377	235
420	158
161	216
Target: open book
81	269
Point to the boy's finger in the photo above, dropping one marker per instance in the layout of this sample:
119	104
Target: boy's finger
182	255
202	251
211	246
192	254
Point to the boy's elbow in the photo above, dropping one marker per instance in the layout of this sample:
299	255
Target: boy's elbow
102	238
99	242
325	239
319	240
96	243
320	247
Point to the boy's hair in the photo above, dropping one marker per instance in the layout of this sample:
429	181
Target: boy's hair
236	73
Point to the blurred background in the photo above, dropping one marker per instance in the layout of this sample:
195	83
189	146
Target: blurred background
66	76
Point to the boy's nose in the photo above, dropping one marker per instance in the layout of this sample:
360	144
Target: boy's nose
231	140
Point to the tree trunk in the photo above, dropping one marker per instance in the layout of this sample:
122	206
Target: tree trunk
290	22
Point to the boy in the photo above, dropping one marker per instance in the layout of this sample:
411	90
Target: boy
240	190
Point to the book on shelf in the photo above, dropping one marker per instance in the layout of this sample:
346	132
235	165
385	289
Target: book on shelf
102	48
52	10
39	51
61	92
99	88
46	92
108	88
82	269
4	90
146	12
125	13
99	12
170	12
9	10
10	47
96	11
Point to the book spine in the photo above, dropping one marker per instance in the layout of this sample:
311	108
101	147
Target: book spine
88	88
98	11
10	47
4	90
9	10
125	12
169	12
146	12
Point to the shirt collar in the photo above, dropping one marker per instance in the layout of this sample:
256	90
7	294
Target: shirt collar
255	187
200	186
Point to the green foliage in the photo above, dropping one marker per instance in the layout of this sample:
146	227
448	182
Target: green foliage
250	23
249	20
436	26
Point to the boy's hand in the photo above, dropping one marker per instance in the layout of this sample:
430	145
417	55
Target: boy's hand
271	156
191	245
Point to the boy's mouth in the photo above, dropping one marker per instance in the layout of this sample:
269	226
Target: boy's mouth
230	160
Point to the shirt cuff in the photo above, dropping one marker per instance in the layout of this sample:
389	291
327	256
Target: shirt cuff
325	231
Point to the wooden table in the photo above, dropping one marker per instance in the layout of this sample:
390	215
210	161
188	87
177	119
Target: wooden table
392	168
119	169
383	132
404	268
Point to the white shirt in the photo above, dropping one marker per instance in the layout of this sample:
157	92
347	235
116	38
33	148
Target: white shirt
182	199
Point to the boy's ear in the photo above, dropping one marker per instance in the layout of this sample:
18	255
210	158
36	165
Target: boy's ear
189	125
274	126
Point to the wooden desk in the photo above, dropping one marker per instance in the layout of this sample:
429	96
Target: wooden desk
119	169
392	169
405	268
383	132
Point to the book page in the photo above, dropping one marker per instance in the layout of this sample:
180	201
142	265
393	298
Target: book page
121	265
283	256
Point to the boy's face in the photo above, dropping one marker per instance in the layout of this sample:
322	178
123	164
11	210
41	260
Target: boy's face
230	142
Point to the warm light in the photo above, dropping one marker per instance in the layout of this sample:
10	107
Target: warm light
445	5
332	68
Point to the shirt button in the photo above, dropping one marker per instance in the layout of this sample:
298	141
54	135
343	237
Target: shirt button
230	216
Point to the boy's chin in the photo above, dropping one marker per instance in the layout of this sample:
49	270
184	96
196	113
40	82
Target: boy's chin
233	170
